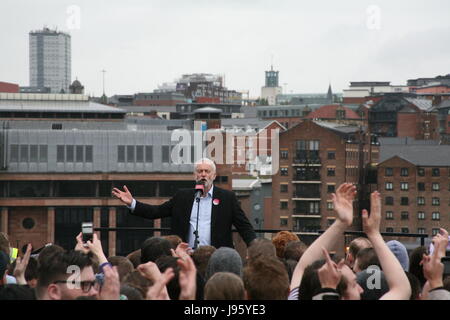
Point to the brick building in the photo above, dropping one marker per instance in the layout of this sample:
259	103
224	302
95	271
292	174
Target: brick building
9	87
315	158
414	181
404	115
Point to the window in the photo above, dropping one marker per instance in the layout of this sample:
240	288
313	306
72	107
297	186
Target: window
165	154
389	186
34	153
435	201
89	154
42	153
405	230
331	155
120	153
331	188
389	215
149	154
389	229
79	153
435	186
60	153
70	153
130	153
331	172
421	230
421	172
404	186
389	201
330	205
139	153
284	154
283	205
420	201
284	171
24	153
56	126
283	222
283	188
435	216
404	201
14	157
388	172
420	215
435	172
421	186
435	231
404	172
404	215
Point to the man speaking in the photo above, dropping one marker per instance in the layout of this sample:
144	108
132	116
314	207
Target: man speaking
200	216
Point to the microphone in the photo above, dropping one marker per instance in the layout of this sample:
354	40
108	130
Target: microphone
199	188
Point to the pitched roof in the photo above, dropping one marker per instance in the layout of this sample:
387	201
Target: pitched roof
329	112
419	155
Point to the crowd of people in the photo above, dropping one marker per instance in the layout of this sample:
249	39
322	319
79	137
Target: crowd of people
283	268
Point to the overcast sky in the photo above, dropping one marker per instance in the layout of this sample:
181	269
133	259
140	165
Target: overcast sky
143	43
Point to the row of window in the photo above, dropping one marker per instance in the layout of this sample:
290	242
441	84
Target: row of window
434	231
404	201
330	188
404	215
404	172
331	171
284	154
404	186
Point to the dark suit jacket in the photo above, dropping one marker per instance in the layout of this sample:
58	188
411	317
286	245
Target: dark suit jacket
223	216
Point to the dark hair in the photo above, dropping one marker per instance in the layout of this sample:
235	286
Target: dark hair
54	267
135	258
48	251
261	247
358	244
310	283
124	266
415	286
173	287
415	267
224	286
265	278
201	258
367	257
153	248
32	269
16	292
131	293
138	281
294	250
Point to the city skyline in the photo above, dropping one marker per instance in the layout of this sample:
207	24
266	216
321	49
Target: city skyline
144	44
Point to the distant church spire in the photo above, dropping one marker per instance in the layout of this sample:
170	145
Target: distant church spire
330	94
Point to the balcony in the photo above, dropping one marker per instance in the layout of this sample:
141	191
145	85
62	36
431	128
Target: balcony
298	213
307	161
306	195
308	177
307	230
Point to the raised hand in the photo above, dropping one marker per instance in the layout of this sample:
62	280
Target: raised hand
158	290
343	202
21	266
83	247
433	268
330	273
96	248
110	290
182	250
187	278
371	224
124	196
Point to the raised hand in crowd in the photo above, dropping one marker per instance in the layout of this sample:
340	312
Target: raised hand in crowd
110	289
124	196
158	291
343	205
21	266
187	277
81	246
330	273
95	246
182	250
433	268
399	287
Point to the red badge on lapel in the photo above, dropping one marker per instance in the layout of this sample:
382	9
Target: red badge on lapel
216	202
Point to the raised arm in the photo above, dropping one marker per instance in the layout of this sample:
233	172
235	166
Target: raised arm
399	287
343	205
124	196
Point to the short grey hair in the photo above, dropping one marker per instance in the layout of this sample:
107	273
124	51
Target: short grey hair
208	161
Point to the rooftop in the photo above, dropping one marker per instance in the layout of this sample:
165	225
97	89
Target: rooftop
329	112
419	155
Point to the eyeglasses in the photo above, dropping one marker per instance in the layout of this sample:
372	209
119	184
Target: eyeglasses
85	286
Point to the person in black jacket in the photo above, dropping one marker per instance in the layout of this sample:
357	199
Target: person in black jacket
218	211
